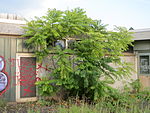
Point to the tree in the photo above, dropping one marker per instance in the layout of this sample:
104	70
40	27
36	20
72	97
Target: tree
84	70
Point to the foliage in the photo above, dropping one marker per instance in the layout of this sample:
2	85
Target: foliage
136	85
30	110
130	105
115	102
130	100
57	25
101	109
84	70
3	102
45	88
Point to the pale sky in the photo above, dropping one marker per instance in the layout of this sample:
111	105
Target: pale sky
127	13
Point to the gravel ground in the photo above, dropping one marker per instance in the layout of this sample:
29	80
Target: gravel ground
27	108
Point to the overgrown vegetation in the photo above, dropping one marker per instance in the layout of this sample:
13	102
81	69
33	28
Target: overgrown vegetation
115	102
81	74
84	68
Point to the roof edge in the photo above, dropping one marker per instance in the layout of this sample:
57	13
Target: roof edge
140	30
12	21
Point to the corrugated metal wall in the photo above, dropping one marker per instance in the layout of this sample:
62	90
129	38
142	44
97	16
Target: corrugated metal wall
8	51
21	47
9	46
142	45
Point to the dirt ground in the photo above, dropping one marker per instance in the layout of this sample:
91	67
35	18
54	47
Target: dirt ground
27	108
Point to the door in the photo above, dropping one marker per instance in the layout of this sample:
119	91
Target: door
26	77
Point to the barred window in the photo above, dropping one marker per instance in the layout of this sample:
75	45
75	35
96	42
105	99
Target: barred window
144	64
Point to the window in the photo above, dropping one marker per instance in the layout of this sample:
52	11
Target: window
144	61
61	43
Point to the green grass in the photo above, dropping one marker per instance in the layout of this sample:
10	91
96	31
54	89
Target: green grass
80	106
115	102
101	108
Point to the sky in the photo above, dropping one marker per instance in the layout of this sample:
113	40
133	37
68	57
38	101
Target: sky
125	13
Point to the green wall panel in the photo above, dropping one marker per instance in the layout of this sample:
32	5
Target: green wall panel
8	51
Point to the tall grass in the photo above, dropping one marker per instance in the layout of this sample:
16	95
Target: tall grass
102	107
115	102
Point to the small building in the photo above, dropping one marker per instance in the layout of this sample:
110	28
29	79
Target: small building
17	63
142	53
19	69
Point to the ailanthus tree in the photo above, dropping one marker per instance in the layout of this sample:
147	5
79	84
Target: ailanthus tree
79	69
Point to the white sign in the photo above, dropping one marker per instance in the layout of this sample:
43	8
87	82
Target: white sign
3	81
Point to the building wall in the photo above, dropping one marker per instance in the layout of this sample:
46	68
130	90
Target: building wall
142	45
131	58
8	51
10	46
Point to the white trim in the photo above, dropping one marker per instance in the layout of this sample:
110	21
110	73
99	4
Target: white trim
27	99
12	21
18	99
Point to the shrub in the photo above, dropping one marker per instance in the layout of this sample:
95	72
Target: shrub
79	69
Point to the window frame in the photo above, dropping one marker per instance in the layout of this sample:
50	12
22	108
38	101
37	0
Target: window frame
139	69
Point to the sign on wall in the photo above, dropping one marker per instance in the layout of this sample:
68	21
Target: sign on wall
1	64
3	76
3	81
